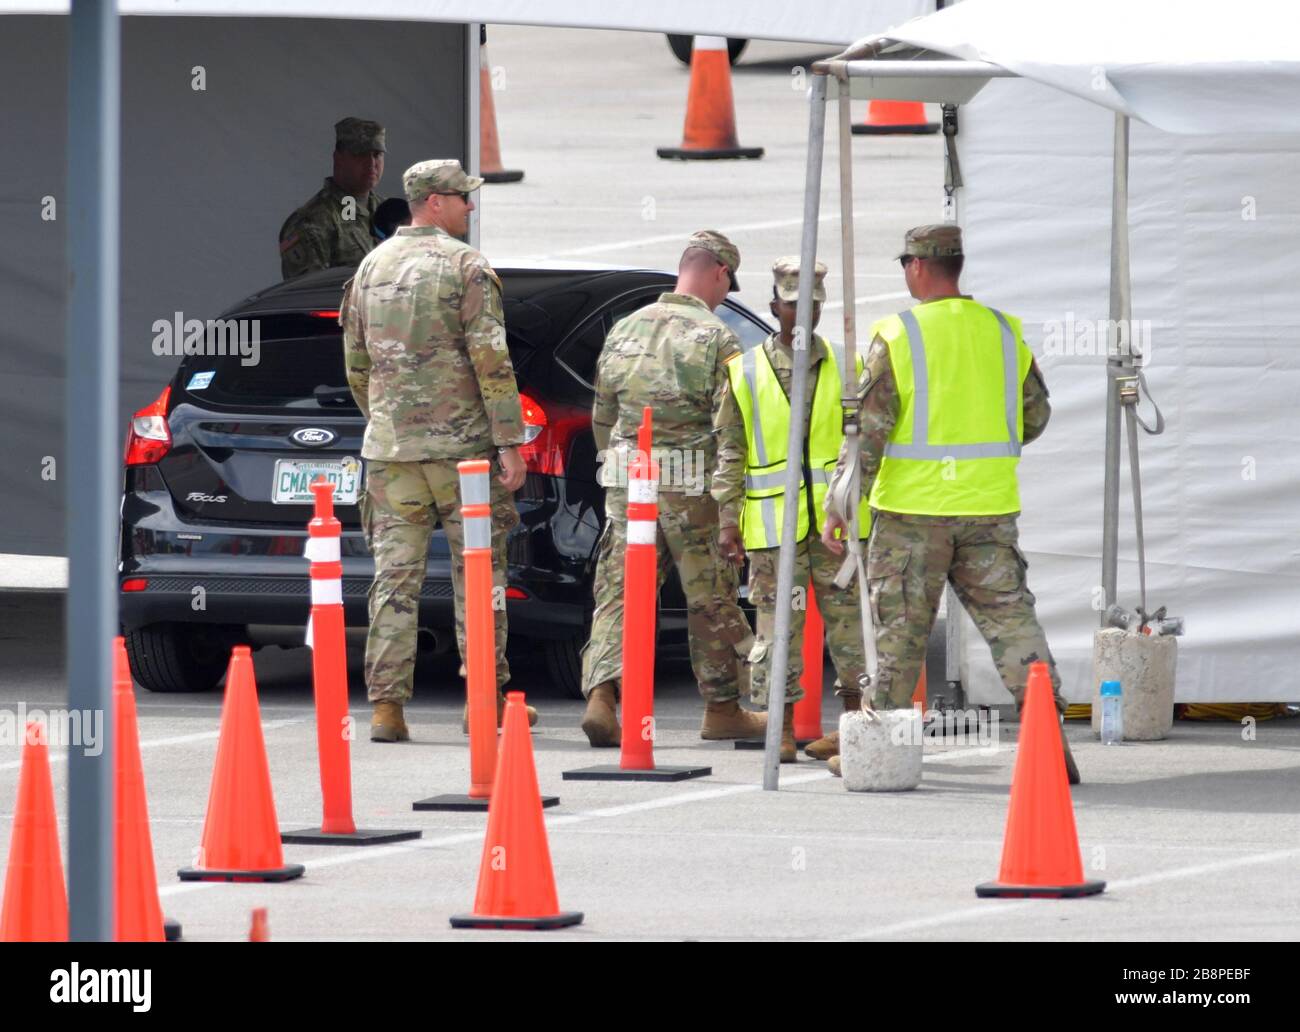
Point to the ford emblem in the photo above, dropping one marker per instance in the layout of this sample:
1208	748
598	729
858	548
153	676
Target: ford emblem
313	437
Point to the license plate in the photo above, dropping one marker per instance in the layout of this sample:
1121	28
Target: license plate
293	478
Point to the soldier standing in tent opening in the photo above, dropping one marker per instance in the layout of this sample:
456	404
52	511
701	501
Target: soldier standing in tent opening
951	393
671	355
749	486
425	348
333	228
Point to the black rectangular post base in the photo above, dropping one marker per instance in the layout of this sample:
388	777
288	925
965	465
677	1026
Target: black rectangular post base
360	837
613	772
467	804
761	743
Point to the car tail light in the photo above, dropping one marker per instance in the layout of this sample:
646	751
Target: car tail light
327	313
135	584
548	432
149	438
513	592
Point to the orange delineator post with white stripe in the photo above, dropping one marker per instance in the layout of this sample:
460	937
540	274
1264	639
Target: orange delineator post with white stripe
808	710
480	631
640	600
329	672
640	591
329	664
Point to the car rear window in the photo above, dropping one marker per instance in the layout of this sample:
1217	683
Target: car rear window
297	363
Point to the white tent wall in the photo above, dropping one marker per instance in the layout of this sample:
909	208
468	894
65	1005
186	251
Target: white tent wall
1214	221
208	177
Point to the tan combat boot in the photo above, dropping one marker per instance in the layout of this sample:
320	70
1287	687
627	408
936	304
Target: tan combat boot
789	750
600	722
833	765
501	712
829	745
726	720
388	724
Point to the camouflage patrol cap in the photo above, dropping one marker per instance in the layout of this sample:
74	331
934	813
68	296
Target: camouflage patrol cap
938	240
358	136
786	273
721	248
444	176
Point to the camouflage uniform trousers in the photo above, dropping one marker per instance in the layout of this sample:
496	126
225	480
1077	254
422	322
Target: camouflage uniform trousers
840	610
403	502
687	537
907	565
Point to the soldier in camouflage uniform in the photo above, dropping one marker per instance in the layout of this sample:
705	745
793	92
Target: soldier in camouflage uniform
671	355
912	554
425	348
840	608
334	227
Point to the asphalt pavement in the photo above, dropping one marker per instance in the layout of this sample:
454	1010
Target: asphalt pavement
1196	836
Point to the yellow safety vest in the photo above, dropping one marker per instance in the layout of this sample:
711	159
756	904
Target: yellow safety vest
766	412
960	369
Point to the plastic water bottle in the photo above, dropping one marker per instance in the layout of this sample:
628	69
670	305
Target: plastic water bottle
1112	713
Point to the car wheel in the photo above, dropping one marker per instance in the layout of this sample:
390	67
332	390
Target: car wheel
171	657
681	48
564	663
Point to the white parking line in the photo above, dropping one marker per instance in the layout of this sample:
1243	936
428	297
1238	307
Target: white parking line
663	238
153	743
994	908
463	837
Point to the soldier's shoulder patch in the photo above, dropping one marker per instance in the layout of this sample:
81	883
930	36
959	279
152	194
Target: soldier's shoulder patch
290	241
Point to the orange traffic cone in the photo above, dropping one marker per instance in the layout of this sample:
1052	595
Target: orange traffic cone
895	117
241	837
36	902
918	696
710	111
138	915
260	930
516	887
1040	853
489	144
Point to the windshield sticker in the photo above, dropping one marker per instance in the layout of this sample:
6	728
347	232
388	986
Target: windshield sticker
200	380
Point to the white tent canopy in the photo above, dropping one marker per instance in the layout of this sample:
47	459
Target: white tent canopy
1184	66
1213	223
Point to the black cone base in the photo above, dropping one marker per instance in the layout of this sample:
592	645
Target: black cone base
705	154
286	873
613	772
505	175
920	129
467	804
171	929
996	890
561	920
360	837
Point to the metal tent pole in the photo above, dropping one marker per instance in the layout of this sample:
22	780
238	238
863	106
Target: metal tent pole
91	459
1118	361
794	446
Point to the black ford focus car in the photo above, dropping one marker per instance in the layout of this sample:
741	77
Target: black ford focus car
215	502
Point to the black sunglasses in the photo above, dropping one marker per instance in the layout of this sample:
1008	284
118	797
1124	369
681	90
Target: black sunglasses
906	260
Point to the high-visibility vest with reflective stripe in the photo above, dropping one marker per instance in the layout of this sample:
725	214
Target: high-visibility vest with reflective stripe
960	369
766	412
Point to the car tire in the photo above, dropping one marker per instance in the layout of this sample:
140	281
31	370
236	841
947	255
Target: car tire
681	48
172	657
564	663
